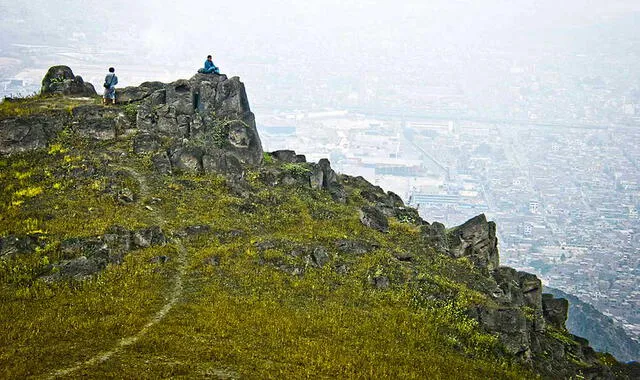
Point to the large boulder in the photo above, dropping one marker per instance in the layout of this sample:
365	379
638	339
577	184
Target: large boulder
134	94
372	217
60	80
205	122
476	239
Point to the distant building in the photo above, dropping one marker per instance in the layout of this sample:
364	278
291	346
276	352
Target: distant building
534	207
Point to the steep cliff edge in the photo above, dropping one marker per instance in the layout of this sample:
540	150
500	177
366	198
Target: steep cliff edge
586	321
254	263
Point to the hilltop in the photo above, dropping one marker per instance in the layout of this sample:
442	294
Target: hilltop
156	238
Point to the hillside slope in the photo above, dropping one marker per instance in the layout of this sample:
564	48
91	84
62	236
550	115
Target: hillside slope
157	239
586	321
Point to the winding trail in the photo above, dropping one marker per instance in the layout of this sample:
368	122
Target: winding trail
176	292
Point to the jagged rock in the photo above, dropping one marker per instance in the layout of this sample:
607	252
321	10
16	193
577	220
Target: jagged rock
187	160
370	192
60	80
221	163
288	156
76	247
161	163
555	310
118	242
521	289
79	268
511	326
145	142
87	256
122	125
374	218
133	94
604	334
342	269
394	200
316	178
329	176
206	120
94	121
30	132
435	236
475	239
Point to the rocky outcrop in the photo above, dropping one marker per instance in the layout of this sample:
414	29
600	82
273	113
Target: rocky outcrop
30	132
83	257
60	80
372	217
203	124
475	239
555	310
604	334
95	122
323	177
288	156
199	125
134	94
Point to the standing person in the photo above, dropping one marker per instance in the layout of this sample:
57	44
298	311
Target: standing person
209	67
110	82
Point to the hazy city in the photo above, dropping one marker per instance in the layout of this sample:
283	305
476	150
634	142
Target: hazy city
534	121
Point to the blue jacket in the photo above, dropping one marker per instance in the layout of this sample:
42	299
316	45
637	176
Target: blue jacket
111	79
208	64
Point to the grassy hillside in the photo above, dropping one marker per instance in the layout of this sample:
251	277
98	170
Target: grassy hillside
253	280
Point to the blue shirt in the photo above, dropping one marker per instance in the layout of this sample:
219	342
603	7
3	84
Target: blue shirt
111	79
208	64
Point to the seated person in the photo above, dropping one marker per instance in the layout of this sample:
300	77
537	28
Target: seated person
209	67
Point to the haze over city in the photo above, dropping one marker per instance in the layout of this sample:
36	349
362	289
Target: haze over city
527	111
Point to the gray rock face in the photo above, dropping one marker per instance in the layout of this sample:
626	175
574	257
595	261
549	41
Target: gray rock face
555	310
197	125
30	132
206	120
60	80
288	156
84	257
435	235
145	90
324	177
95	122
511	326
603	332
374	218
476	239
